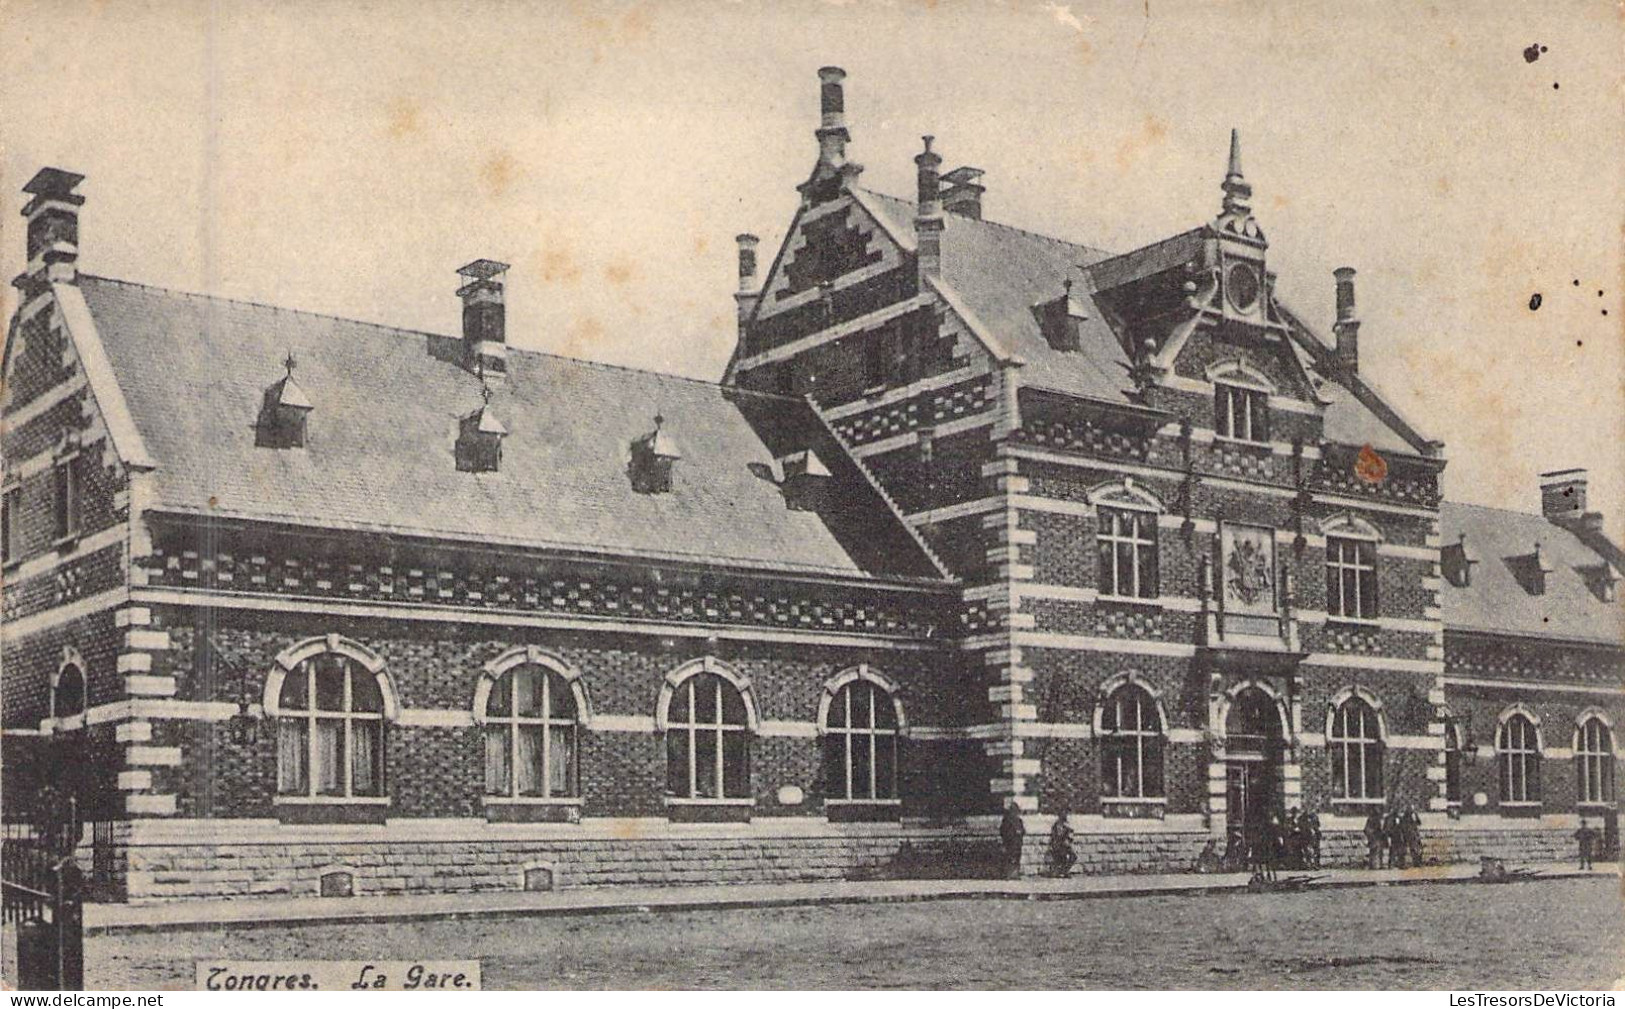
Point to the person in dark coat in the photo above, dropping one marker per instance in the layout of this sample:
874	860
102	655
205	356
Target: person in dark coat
1393	831
1311	830
1293	831
1012	832
1061	856
1373	840
1413	834
1587	837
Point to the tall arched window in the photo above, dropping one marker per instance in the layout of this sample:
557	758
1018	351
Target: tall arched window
1518	749
330	729
1594	762
707	740
860	744
531	722
1131	745
1355	744
1452	762
68	696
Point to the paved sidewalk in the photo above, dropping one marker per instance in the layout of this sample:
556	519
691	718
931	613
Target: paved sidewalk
260	912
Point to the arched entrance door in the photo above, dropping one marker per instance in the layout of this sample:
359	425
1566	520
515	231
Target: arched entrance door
1254	750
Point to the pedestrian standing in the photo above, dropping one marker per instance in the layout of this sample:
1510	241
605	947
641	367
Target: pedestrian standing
1061	856
1293	829
1012	832
1587	836
1413	834
1311	828
1394	832
1373	840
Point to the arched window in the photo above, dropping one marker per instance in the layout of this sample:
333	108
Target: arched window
330	729
1594	761
707	739
1253	725
530	735
1452	763
68	696
1131	745
1518	749
1355	744
860	744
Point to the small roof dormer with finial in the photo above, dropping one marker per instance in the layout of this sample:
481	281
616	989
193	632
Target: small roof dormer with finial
284	411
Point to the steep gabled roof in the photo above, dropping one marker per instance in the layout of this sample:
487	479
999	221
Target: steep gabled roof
379	451
1498	599
995	273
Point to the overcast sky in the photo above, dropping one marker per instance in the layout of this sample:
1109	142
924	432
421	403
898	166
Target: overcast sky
347	157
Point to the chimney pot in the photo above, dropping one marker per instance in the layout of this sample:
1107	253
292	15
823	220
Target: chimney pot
52	243
485	342
1347	327
928	211
1563	495
832	133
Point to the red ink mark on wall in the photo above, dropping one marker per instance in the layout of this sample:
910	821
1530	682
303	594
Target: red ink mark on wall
1370	467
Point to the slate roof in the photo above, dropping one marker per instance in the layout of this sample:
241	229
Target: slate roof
999	272
1498	599
381	437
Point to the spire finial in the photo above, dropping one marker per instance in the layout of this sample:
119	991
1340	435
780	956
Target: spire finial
1236	190
659	420
485	390
290	363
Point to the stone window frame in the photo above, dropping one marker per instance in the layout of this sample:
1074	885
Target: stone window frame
1280	705
842	681
509	661
1351	529
1529	759
67	494
1455	741
673	681
1604	756
288	661
1114	686
1233	379
11	500
71	660
1109	500
1338	703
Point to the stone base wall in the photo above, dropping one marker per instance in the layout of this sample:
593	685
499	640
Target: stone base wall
375	866
295	869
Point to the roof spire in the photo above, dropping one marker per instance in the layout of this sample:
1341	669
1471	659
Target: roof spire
290	363
1236	189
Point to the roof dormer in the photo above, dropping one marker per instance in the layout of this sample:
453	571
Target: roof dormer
1061	319
652	458
806	480
1456	563
284	410
479	439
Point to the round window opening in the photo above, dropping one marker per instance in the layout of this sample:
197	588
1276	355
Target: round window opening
1241	284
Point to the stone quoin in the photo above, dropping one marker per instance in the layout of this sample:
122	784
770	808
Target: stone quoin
303	605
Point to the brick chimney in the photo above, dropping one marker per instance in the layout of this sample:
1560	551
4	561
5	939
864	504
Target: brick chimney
53	230
1563	495
928	213
1347	327
485	342
750	290
963	195
832	133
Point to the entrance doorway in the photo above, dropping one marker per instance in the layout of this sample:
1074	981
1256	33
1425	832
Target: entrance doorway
1255	747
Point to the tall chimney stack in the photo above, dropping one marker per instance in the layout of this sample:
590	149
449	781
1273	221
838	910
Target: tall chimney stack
832	134
749	289
1563	495
53	230
485	341
1347	327
928	213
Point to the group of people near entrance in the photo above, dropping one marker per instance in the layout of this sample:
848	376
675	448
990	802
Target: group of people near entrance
1265	846
1396	833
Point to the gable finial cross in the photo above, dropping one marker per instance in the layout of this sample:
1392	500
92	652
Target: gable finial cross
290	362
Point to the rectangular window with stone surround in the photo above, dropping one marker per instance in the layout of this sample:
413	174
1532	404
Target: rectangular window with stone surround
10	503
1126	542
1241	413
66	512
1351	578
